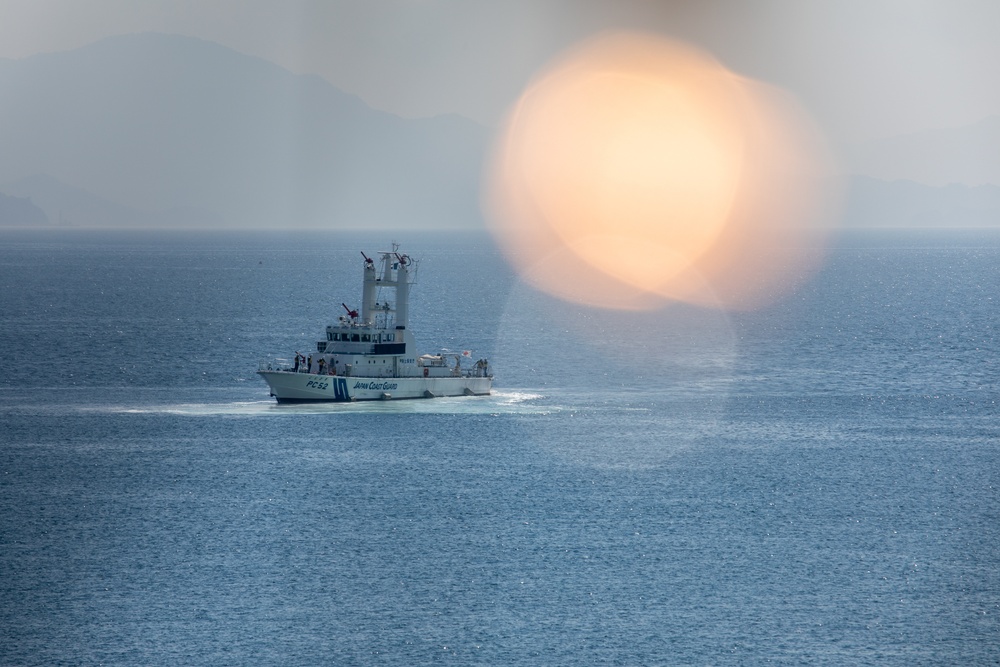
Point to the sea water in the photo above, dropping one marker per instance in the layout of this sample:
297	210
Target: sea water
811	483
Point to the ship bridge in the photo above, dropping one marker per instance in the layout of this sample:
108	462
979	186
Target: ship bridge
380	327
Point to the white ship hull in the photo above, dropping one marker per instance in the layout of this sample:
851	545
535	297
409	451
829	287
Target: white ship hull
291	387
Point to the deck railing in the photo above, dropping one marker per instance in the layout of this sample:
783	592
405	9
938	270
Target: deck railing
285	366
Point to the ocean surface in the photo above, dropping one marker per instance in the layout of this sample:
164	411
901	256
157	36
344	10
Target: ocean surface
812	483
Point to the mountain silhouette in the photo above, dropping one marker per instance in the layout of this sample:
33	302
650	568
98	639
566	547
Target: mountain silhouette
20	211
902	203
968	155
172	130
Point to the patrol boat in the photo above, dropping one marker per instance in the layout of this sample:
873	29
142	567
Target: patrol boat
372	356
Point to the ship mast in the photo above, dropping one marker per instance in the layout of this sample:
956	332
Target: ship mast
369	291
396	272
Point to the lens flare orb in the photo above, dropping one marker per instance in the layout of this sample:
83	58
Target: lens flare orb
636	170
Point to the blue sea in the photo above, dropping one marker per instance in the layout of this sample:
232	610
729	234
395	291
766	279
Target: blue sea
817	482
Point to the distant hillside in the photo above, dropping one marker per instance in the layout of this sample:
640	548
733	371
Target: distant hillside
73	205
20	211
160	128
968	155
875	203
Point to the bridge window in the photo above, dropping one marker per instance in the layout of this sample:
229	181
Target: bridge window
355	338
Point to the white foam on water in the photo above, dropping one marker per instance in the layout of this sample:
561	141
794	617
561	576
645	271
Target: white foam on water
515	402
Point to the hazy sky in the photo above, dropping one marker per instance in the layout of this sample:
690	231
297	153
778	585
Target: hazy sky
864	69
